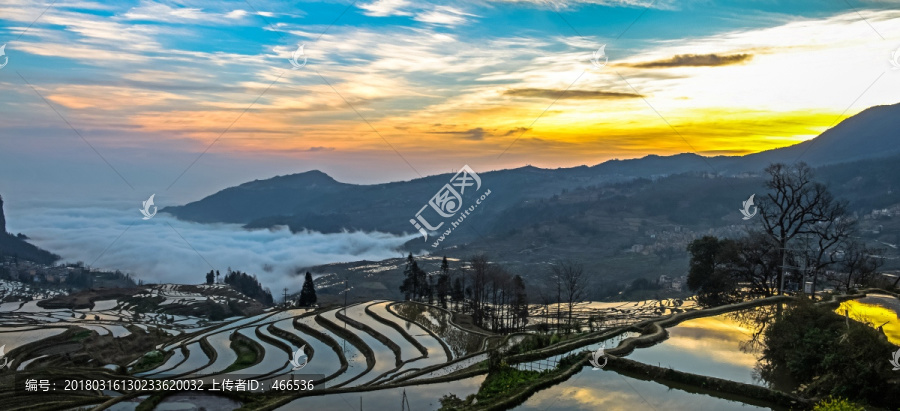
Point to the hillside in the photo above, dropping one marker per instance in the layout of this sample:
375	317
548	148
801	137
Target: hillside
872	133
17	246
315	201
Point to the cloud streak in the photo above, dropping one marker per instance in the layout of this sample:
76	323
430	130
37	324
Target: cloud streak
570	94
696	60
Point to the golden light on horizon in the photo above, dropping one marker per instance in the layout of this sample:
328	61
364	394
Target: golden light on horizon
874	316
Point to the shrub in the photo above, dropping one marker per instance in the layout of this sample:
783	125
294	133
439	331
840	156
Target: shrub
837	404
555	339
451	402
829	356
569	360
530	343
150	360
505	380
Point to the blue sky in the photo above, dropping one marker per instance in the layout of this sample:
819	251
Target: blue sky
122	99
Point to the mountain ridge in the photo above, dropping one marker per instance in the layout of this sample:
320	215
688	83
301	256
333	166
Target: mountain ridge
313	200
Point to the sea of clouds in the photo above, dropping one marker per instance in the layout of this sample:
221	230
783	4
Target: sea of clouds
166	250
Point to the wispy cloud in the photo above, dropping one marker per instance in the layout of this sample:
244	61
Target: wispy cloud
696	60
157	72
568	4
444	15
570	94
422	11
384	8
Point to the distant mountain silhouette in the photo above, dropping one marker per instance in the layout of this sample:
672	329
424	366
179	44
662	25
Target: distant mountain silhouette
314	201
11	245
280	195
873	133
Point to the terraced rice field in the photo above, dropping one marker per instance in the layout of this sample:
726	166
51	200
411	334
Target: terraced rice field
225	356
286	366
275	359
356	361
408	351
460	342
323	359
421	397
176	358
385	360
15	339
376	343
432	344
377	346
195	360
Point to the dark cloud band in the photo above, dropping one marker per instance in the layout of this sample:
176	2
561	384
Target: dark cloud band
696	60
569	94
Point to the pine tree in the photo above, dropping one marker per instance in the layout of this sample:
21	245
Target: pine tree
409	286
210	277
421	280
308	292
458	292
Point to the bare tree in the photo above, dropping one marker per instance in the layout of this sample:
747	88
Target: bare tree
799	206
573	284
760	265
546	295
857	265
478	275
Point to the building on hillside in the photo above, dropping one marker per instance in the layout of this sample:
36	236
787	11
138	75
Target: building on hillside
679	283
664	281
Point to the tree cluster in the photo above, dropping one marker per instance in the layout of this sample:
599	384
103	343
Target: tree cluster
416	283
212	276
567	285
803	235
248	285
496	299
827	355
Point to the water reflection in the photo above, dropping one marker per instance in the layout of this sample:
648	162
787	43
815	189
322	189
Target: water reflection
421	397
553	361
461	342
725	346
876	310
608	390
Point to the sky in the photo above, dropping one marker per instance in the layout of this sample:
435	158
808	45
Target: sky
114	101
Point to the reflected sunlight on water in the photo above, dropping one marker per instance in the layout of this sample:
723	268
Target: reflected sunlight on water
876	310
724	346
608	390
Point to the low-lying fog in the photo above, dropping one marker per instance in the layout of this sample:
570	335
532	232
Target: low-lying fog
166	250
